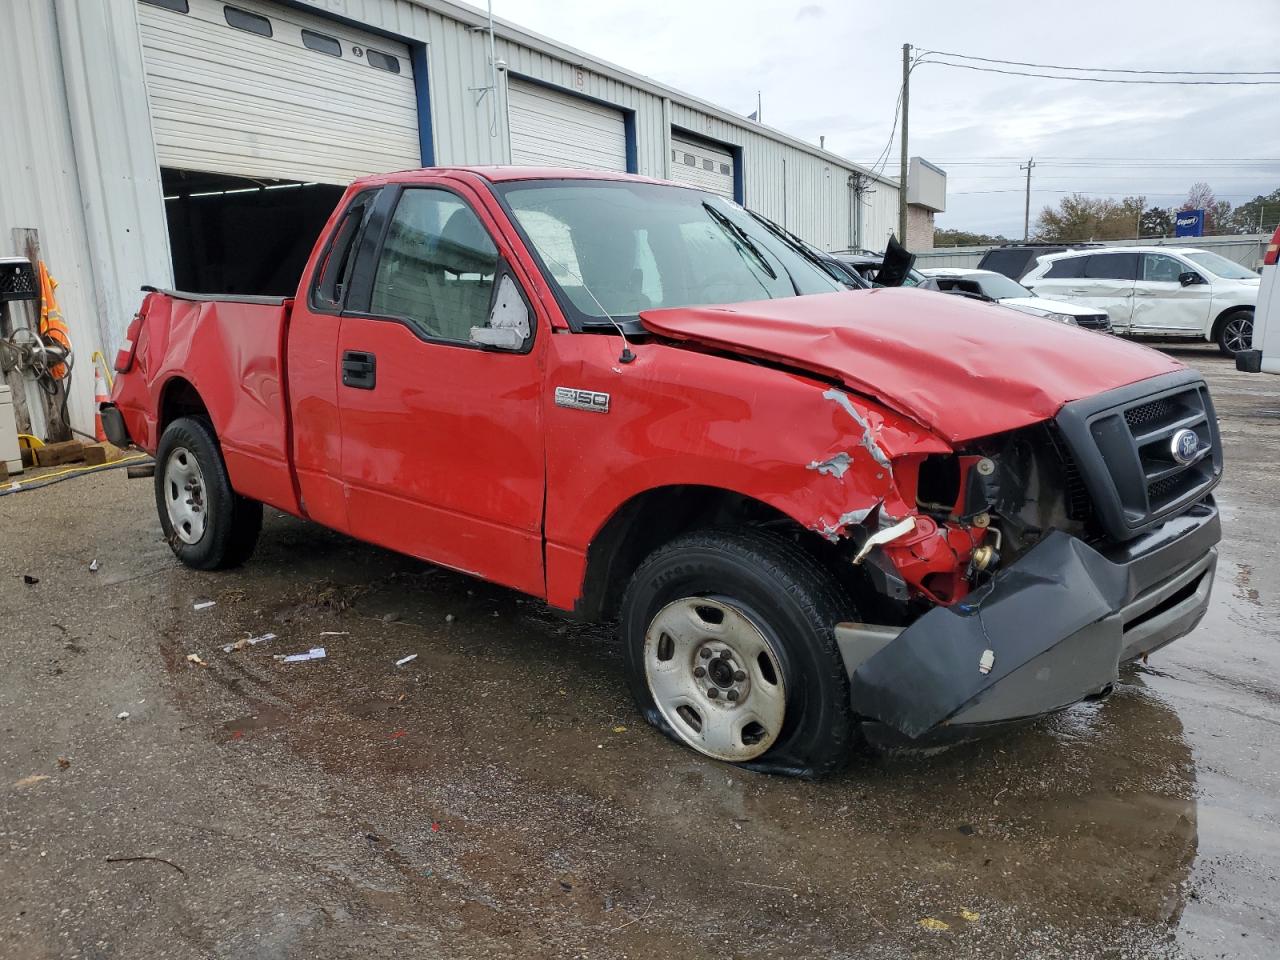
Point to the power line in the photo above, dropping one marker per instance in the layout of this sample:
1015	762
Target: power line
1051	66
1050	76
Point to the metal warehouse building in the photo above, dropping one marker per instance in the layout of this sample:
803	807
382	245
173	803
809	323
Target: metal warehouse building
201	144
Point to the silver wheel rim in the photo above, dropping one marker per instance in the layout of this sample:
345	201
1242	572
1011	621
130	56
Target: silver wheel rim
1238	334
715	678
184	495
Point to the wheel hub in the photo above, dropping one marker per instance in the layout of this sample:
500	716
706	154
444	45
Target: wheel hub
715	677
184	495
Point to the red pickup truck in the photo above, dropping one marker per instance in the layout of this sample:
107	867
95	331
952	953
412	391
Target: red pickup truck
817	513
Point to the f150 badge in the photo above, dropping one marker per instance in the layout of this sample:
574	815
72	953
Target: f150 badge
576	399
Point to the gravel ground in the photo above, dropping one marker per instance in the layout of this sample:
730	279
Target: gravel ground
499	795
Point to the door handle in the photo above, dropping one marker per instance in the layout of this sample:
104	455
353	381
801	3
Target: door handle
359	370
1078	291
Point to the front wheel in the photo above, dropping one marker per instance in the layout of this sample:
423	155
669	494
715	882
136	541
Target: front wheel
730	650
1235	332
207	524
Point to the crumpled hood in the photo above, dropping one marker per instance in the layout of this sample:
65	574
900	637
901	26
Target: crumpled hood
960	367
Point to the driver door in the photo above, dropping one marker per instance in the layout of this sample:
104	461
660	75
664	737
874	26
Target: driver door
439	397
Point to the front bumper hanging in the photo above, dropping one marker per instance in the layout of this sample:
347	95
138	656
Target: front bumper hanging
1050	630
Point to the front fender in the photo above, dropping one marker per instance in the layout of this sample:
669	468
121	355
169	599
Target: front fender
816	453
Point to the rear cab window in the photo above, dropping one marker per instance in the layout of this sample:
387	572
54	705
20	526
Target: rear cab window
332	278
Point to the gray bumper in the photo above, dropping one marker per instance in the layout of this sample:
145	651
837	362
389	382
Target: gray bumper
1050	630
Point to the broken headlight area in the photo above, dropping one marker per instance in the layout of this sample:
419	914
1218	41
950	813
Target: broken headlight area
976	509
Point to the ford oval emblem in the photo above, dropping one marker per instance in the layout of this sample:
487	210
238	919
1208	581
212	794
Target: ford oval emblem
1184	446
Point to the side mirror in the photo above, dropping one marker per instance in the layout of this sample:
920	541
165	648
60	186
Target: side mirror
1189	278
508	327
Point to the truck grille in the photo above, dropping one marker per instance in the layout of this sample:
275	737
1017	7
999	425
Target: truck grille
1122	443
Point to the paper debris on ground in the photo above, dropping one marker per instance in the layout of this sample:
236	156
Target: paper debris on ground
204	605
31	780
196	659
122	715
315	653
619	729
335	633
403	660
93	566
247	642
970	916
931	924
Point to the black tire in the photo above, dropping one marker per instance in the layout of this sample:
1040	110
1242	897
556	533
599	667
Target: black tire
1233	326
231	522
793	602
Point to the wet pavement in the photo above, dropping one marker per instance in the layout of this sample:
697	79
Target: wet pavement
499	796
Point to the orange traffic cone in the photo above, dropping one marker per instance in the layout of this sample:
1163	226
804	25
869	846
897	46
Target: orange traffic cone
99	398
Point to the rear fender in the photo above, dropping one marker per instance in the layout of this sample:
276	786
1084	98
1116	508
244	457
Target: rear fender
230	352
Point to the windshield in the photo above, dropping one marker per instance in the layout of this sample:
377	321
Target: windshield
619	247
999	287
1220	266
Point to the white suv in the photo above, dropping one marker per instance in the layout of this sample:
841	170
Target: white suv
1165	292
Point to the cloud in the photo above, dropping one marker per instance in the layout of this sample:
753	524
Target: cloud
811	11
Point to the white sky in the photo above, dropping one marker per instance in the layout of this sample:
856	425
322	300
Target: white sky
833	68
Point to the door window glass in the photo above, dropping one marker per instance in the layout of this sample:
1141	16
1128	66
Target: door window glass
1112	266
1068	268
436	268
1161	269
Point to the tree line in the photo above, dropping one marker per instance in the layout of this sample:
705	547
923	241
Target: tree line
1079	217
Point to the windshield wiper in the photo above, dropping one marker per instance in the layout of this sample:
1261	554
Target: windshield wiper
802	248
743	238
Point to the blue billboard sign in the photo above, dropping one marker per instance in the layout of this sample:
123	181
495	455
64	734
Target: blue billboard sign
1188	223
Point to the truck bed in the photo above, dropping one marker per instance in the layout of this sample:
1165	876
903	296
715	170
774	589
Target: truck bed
229	352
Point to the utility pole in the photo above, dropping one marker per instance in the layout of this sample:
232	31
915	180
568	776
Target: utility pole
902	169
1026	210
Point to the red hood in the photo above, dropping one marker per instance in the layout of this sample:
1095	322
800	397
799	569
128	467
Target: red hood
963	368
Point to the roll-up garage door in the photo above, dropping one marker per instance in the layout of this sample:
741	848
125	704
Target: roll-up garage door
554	129
701	165
258	89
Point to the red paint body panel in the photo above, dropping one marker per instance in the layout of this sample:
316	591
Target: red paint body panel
679	417
443	459
967	369
231	353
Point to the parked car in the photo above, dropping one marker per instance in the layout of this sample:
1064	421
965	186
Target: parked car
1016	260
815	513
1264	355
870	265
1164	292
997	288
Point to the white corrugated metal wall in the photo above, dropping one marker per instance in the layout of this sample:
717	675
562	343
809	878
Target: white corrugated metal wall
77	164
87	176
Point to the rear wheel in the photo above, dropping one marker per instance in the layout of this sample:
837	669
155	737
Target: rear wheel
207	524
1235	332
730	650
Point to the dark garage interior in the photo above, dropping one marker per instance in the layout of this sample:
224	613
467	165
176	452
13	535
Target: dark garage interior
238	235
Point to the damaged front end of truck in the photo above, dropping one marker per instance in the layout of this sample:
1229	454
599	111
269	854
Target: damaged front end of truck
1013	525
1030	565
